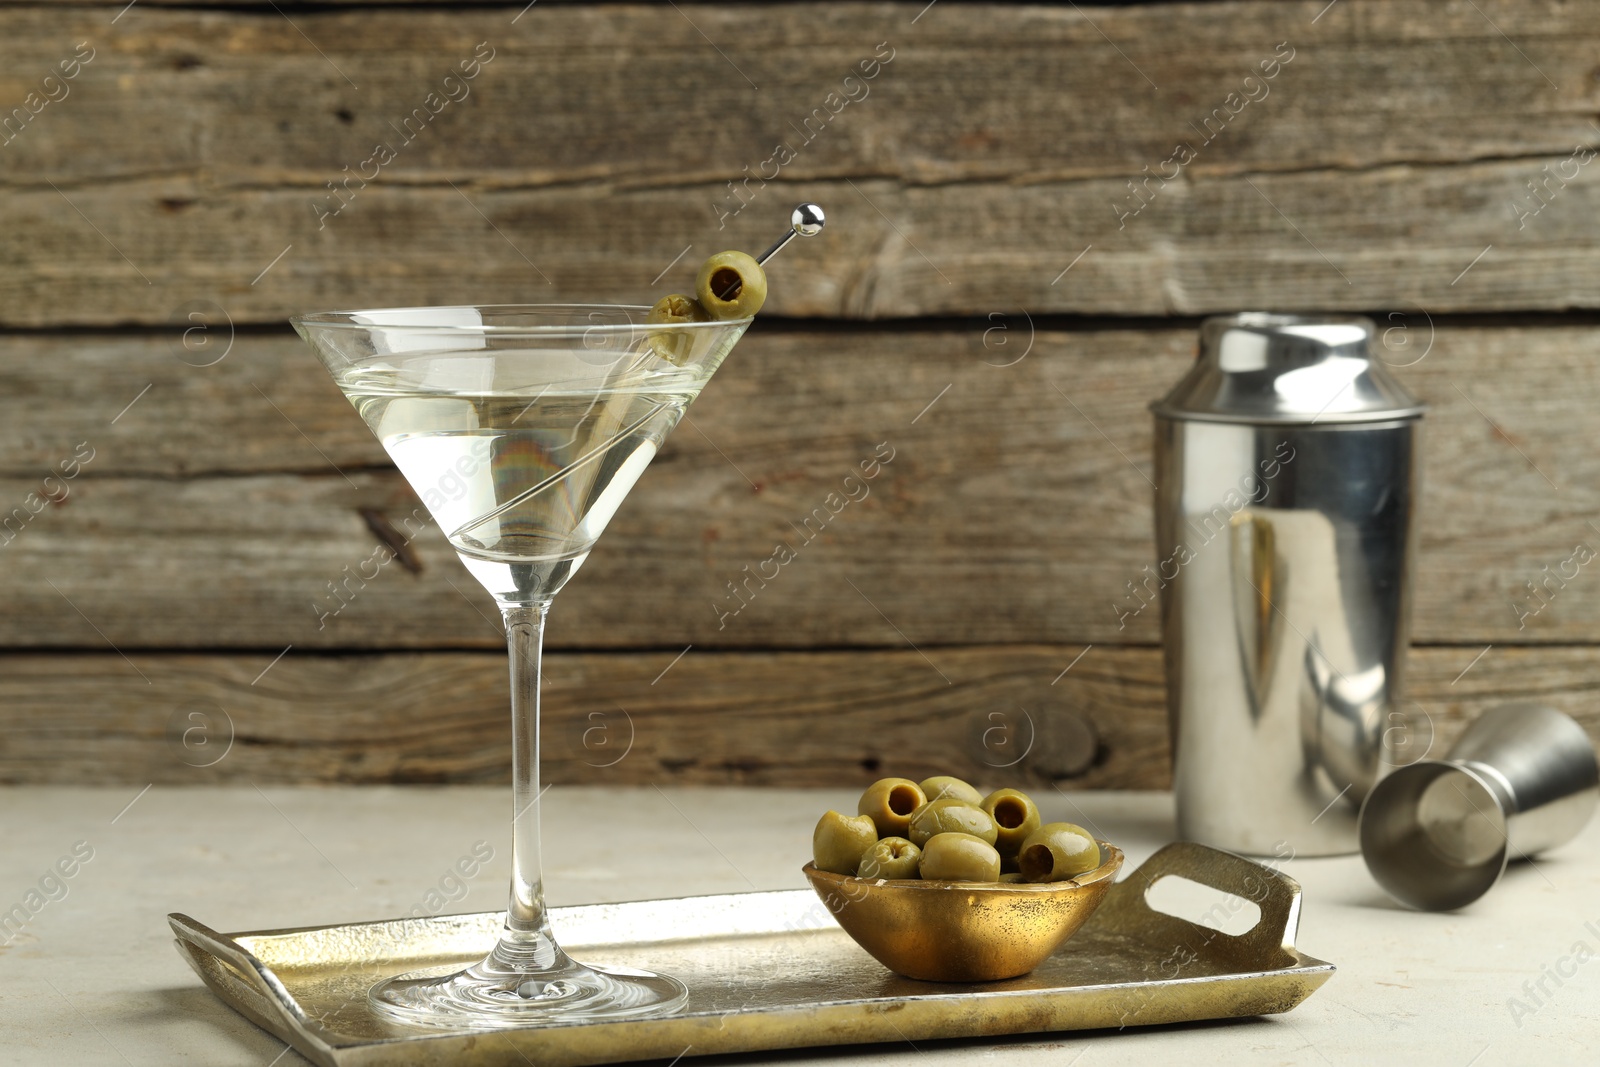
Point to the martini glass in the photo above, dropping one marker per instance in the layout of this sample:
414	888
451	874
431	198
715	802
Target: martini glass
522	428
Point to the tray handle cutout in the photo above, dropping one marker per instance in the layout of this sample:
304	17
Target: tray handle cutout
1184	898
1244	885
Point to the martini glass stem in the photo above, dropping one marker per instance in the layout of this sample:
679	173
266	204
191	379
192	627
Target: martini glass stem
527	929
527	979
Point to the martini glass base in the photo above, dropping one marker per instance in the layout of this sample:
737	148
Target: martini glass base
488	996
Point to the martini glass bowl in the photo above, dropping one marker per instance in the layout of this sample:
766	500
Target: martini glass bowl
522	428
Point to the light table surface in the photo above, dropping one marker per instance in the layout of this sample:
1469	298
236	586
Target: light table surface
93	978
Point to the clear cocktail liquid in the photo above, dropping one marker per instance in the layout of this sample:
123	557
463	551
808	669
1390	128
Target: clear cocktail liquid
522	471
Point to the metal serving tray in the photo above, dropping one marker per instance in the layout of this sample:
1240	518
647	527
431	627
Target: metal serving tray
772	971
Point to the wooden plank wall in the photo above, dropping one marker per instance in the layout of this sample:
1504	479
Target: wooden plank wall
1030	208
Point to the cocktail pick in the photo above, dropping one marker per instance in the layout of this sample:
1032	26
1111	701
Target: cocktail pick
805	221
729	285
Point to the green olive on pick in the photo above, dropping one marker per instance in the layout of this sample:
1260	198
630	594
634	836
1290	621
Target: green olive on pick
891	857
950	817
675	310
1057	851
731	285
838	842
890	802
959	858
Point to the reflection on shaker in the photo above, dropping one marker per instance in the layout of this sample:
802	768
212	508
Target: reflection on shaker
1340	701
1258	573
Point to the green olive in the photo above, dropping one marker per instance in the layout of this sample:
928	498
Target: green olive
731	285
1015	817
944	787
676	309
950	817
890	802
1011	877
891	857
1057	851
838	842
675	345
959	858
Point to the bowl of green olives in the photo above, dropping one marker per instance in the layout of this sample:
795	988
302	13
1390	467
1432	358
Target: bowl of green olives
942	883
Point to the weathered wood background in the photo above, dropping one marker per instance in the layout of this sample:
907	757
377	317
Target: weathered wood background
992	301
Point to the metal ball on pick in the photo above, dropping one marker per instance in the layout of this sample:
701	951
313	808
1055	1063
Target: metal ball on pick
806	220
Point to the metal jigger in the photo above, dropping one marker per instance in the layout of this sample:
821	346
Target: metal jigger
1437	834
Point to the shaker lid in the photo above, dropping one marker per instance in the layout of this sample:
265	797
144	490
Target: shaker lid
1262	368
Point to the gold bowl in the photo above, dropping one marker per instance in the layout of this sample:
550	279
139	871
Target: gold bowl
963	931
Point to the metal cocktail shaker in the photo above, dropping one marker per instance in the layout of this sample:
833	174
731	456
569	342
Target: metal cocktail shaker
1286	486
